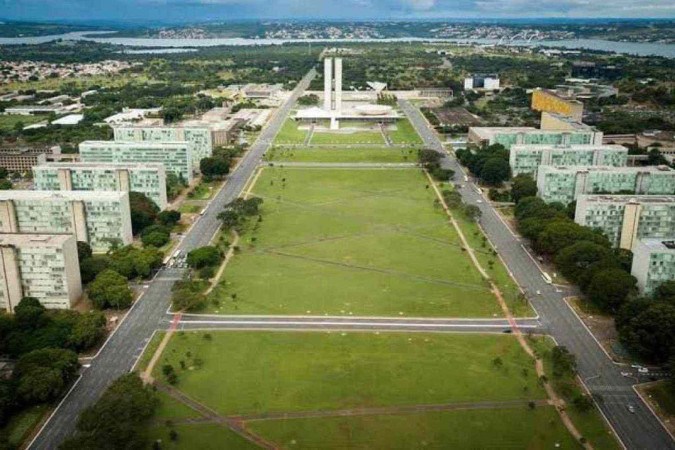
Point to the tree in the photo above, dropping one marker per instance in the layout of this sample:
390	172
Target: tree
495	171
5	184
110	290
188	295
155	235
523	186
91	267
118	419
83	251
43	375
143	211
472	212
559	234
609	288
564	363
203	257
647	328
30	313
132	262
577	260
87	331
214	167
665	291
168	218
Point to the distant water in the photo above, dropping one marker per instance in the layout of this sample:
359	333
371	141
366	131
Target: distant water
634	48
144	51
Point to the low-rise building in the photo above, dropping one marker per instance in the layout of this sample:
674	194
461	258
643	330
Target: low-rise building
509	136
20	160
44	266
99	218
526	159
544	100
176	156
625	219
147	178
653	263
482	81
565	183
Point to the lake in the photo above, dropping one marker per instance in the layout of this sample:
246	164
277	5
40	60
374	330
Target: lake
633	48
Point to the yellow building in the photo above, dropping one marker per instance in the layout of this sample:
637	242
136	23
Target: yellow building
547	101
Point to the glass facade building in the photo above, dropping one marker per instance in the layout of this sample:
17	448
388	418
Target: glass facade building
653	263
526	159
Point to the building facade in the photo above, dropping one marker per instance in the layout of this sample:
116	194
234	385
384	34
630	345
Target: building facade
175	156
510	136
483	81
202	137
148	178
653	263
544	100
44	266
99	218
625	219
565	183
526	159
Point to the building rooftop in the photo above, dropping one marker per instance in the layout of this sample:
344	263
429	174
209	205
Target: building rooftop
489	132
559	96
569	121
636	199
574	147
650	169
33	240
62	195
92	165
137	144
659	245
70	119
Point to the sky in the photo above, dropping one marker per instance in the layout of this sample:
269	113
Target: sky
201	10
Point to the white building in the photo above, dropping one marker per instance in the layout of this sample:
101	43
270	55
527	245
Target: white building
147	178
653	263
44	266
99	218
481	81
526	159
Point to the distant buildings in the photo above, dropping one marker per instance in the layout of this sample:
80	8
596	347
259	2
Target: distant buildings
591	70
44	266
482	81
525	159
146	178
176	156
653	263
565	184
544	100
625	219
509	136
21	159
98	218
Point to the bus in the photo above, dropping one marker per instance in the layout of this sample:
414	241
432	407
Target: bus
546	277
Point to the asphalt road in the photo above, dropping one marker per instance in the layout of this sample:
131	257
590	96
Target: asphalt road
119	354
638	430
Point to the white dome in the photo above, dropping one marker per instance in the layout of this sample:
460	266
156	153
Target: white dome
373	110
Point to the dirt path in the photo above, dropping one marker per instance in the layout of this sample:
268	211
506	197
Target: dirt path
539	364
223	265
146	376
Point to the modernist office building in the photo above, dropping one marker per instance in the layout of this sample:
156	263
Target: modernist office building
510	136
44	266
625	219
98	218
528	158
147	178
653	263
176	156
565	183
202	135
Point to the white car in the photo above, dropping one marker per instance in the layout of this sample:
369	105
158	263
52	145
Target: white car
631	409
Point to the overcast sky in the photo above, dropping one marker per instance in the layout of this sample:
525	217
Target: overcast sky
198	10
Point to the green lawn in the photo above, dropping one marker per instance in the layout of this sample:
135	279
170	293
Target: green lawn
347	138
404	134
663	396
351	242
22	423
190	208
343	155
204	190
8	122
254	372
478	429
199	436
290	134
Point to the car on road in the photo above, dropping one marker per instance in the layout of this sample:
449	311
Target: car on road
631	409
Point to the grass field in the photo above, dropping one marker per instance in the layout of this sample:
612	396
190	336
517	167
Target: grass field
352	242
255	374
8	122
260	372
21	424
404	134
290	134
478	429
347	138
343	155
